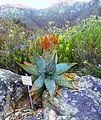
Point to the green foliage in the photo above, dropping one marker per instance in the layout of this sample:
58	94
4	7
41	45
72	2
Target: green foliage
75	44
35	44
46	72
81	42
92	69
85	41
13	40
14	45
63	47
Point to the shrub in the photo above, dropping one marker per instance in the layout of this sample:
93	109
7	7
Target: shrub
12	44
82	43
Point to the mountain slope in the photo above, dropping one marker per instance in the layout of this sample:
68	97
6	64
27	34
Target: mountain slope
57	14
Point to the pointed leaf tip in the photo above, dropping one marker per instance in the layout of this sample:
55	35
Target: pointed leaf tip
52	66
39	62
30	69
39	82
64	67
50	85
63	83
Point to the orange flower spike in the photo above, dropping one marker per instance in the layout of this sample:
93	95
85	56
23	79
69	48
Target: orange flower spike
51	37
45	44
55	41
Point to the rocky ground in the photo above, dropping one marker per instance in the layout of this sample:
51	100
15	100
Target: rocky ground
25	114
84	104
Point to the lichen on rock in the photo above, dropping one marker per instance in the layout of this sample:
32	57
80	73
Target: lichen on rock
84	104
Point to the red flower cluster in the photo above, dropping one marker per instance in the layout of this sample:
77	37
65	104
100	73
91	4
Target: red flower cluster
45	44
47	41
53	39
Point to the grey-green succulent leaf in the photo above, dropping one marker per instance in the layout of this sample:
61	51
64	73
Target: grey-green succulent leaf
32	60
45	73
30	69
63	67
33	77
63	83
38	93
36	90
39	62
50	85
51	56
39	82
52	65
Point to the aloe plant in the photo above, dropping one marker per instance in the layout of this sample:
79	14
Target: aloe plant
46	73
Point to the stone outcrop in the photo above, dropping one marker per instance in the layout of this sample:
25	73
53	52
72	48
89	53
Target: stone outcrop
81	104
84	104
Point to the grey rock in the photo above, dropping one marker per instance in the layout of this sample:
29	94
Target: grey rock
1	98
10	87
84	104
62	118
8	76
13	93
49	114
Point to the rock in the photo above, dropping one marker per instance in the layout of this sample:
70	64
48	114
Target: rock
62	118
30	118
14	93
49	114
25	114
8	76
10	88
84	104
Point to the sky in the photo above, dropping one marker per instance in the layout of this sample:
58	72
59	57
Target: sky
39	4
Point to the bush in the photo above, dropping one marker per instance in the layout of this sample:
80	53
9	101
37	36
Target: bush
82	43
85	41
13	41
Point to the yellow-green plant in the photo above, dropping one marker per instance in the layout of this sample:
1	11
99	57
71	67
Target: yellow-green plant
63	49
81	42
84	40
35	45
